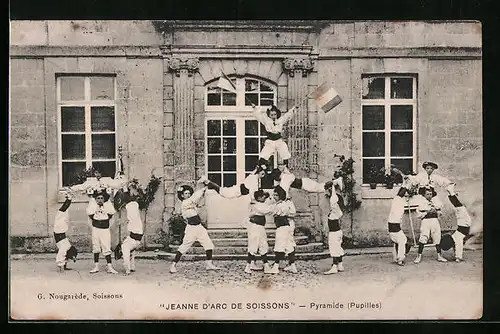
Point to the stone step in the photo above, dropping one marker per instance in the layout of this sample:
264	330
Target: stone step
243	250
229	233
241	257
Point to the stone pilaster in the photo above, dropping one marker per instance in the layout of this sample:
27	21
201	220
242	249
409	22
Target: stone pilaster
183	118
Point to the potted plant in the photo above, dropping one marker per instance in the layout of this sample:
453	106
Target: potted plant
389	178
373	176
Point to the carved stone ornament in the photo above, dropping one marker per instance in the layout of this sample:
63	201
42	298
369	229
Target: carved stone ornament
304	65
191	65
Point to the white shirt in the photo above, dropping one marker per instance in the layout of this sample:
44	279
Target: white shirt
397	210
189	206
134	218
252	182
101	212
261	209
285	208
270	125
104	183
424	205
61	222
423	179
335	211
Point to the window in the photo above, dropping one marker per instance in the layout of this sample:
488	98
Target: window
234	137
389	105
86	125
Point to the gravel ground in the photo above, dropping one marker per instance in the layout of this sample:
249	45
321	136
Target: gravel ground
370	278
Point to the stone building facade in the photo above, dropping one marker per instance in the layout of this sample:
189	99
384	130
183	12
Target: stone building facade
411	92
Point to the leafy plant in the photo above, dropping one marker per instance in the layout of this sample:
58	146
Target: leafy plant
346	171
177	227
83	175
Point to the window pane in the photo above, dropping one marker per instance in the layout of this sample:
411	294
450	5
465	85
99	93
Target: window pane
373	144
72	119
70	170
215	177
402	88
251	85
107	168
229	99
251	128
72	88
213	99
102	118
373	118
214	145
402	117
73	147
229	145
103	146
102	88
373	88
251	98
373	170
265	87
213	127
404	165
266	99
252	145
229	180
229	163
251	162
263	131
229	127
214	163
402	144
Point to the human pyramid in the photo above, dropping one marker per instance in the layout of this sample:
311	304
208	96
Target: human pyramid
276	202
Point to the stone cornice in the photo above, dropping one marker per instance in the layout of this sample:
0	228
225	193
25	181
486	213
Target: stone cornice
167	27
298	65
177	65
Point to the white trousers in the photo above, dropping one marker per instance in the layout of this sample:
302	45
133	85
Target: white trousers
458	238
271	146
62	248
257	239
430	228
128	247
195	233
400	239
284	243
101	240
230	192
335	243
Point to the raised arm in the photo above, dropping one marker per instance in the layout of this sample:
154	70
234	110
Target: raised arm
288	116
80	187
197	195
259	114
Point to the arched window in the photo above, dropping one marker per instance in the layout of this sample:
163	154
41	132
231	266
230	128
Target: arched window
234	137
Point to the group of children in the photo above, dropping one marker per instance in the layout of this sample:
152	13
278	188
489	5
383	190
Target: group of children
276	202
428	209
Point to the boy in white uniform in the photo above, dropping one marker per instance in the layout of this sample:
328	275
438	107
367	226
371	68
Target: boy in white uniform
135	229
429	209
335	234
100	215
273	121
396	234
257	236
284	245
60	228
428	178
195	231
464	222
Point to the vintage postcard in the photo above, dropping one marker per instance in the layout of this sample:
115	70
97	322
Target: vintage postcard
245	170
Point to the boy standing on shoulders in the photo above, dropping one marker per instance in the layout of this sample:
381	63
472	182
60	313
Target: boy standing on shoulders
135	229
429	209
65	250
195	231
100	216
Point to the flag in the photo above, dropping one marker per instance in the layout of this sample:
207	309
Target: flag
326	97
226	83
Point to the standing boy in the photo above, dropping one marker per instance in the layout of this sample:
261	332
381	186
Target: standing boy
195	231
257	236
135	229
100	216
429	209
396	234
335	234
